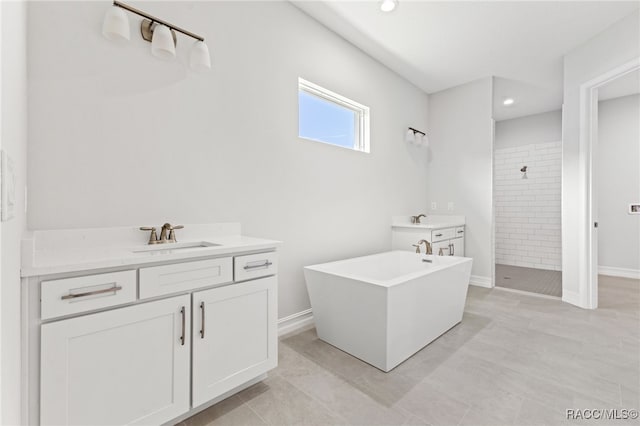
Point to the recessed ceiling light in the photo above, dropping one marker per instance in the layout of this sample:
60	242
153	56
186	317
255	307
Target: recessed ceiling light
508	101
388	5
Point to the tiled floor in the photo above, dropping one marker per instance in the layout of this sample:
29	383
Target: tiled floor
514	360
529	279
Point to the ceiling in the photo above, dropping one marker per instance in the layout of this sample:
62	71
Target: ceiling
437	45
628	84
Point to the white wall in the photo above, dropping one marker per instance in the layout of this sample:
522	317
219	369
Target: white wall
460	165
612	48
618	179
527	211
13	140
531	129
121	138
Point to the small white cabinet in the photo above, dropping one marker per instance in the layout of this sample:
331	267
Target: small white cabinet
445	240
234	336
125	366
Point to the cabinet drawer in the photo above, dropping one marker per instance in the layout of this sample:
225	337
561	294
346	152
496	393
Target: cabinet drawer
459	231
73	295
442	234
255	265
167	279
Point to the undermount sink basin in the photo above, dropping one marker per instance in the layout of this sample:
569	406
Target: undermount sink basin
175	246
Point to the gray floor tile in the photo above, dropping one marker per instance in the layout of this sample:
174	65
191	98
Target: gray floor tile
280	403
232	412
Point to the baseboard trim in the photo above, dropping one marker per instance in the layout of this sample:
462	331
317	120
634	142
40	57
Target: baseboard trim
480	281
619	272
295	322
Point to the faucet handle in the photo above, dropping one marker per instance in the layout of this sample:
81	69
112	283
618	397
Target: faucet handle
417	246
153	238
172	233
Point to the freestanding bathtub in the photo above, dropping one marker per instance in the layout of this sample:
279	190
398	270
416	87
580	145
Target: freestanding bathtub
385	307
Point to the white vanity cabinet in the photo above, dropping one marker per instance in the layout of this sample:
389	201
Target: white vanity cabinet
125	366
234	336
150	344
445	239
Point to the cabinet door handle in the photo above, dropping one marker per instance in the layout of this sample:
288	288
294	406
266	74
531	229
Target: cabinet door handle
438	235
91	293
184	324
202	328
266	264
460	232
451	249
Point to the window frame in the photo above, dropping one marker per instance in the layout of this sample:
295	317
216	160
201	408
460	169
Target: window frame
361	125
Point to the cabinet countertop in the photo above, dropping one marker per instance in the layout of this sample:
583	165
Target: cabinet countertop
434	225
47	262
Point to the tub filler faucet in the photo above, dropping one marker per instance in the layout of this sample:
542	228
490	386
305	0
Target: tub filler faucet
427	246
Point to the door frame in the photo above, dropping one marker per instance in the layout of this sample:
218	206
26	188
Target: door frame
588	261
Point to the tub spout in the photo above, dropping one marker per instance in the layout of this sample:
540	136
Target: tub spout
427	246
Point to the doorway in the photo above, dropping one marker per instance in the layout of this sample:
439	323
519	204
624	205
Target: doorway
616	183
589	139
527	188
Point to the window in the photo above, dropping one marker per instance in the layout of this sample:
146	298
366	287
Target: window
325	116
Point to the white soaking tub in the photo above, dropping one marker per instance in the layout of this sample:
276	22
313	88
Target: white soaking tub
385	307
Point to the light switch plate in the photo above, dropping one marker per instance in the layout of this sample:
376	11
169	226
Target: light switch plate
450	205
434	205
7	187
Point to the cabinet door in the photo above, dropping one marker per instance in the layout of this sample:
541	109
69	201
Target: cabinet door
458	246
445	246
234	336
125	366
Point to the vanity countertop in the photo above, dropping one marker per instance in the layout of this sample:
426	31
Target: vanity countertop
430	222
43	254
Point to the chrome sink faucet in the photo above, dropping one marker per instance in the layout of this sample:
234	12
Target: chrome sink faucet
427	247
164	239
416	219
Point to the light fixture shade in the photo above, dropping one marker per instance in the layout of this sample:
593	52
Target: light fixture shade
162	45
418	137
115	26
199	59
410	136
388	5
425	141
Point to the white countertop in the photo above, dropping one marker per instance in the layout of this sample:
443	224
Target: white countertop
430	222
42	256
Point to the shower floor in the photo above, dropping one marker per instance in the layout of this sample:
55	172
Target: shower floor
533	280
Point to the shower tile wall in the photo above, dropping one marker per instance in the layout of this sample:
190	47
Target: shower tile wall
528	210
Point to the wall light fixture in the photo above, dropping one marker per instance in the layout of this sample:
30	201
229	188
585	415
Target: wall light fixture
388	5
416	137
160	33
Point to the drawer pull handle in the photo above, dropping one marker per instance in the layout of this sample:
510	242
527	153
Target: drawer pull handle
91	293
264	265
202	329
460	232
182	312
438	235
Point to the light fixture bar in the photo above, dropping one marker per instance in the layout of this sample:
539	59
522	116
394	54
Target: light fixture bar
154	19
417	131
